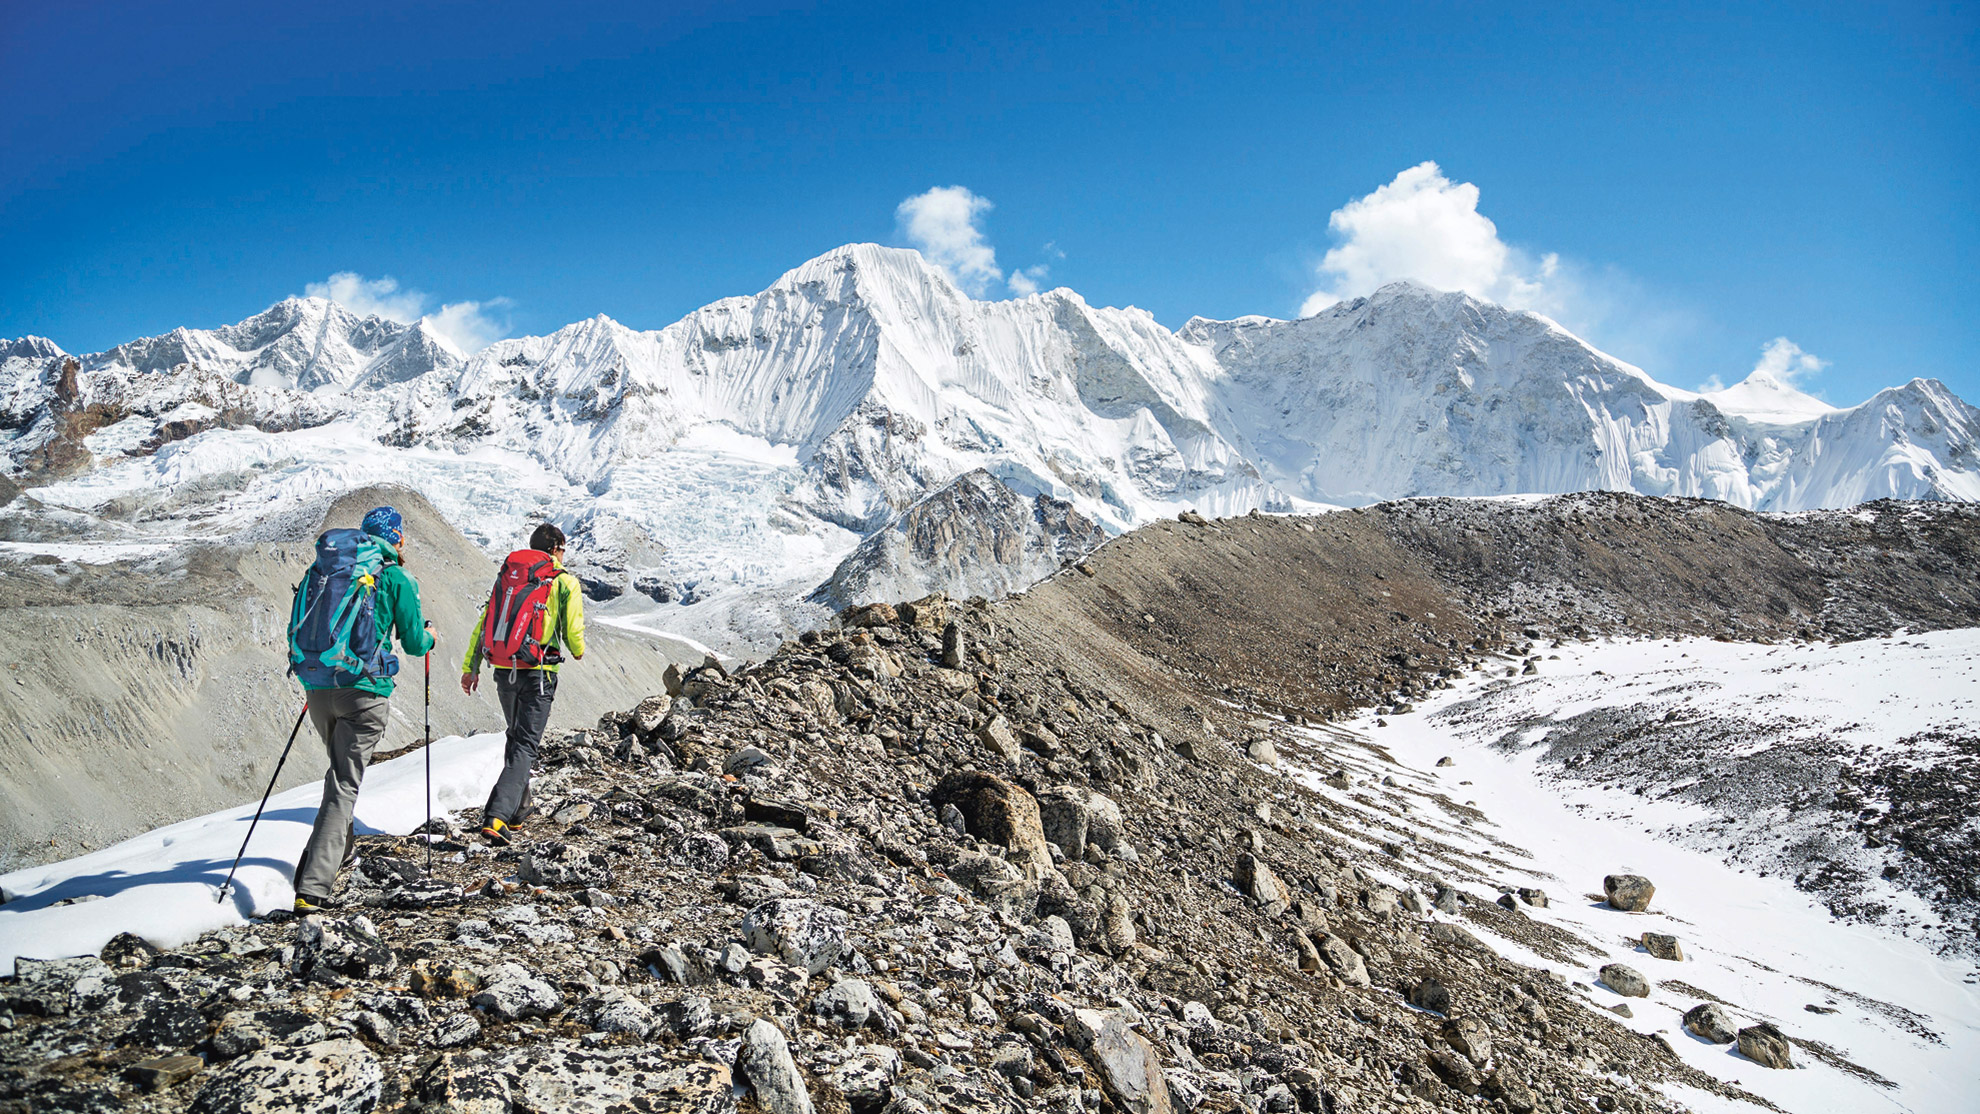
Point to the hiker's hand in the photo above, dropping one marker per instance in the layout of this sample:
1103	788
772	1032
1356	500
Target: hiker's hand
470	682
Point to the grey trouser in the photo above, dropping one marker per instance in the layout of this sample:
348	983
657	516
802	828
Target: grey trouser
525	695
351	722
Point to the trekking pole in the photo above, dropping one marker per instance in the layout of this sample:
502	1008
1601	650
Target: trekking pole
428	748
225	886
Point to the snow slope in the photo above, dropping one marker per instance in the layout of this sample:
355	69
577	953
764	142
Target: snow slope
739	454
1901	1029
164	885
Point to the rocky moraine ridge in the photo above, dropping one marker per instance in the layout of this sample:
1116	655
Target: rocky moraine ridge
968	857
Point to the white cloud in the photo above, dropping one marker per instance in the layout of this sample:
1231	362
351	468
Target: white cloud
1784	361
468	326
379	297
1424	226
1026	281
942	225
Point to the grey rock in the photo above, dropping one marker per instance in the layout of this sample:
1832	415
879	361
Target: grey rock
1263	752
867	1076
1625	980
616	1012
512	993
1663	947
1258	883
1345	961
1128	1065
692	1016
456	1030
1446	900
1765	1045
1429	993
50	987
331	1077
1469	1036
1710	1021
799	931
1535	898
765	1062
1630	893
998	736
849	1004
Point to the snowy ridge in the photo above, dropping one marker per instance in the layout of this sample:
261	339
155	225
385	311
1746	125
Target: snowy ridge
757	440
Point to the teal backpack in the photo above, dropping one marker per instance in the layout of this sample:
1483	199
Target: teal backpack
333	623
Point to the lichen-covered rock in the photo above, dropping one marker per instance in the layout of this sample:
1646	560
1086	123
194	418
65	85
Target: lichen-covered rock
616	1012
1663	947
512	993
799	931
765	1061
330	1077
346	945
997	811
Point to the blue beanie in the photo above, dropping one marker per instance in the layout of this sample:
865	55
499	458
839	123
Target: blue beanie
384	522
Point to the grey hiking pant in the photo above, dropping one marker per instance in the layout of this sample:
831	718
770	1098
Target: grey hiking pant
351	722
525	695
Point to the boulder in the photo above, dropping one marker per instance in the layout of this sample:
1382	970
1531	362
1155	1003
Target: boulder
798	931
347	945
1469	1036
1062	814
51	987
1663	947
1129	1066
1709	1021
1630	893
1765	1045
1345	961
1456	1072
1625	980
849	1004
1428	993
601	1081
764	1060
1263	752
997	811
513	993
1257	882
329	1077
616	1012
998	736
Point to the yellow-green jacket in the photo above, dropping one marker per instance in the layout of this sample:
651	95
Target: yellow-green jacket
563	623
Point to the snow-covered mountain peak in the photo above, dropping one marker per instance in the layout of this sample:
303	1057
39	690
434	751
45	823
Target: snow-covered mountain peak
1763	397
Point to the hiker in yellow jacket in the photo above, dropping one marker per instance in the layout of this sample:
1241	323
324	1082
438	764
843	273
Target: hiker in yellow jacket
526	692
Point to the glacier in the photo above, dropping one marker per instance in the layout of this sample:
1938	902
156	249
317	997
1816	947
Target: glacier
715	472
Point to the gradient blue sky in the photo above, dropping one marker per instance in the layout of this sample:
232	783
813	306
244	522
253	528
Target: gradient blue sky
1709	179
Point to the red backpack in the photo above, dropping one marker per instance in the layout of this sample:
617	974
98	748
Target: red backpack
512	630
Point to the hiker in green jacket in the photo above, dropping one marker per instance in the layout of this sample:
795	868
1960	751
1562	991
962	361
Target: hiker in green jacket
352	718
524	685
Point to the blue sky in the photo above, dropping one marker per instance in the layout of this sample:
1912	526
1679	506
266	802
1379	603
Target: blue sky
1683	185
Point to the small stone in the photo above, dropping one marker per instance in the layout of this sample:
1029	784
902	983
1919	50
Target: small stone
1446	761
1625	980
1469	1036
1533	897
1628	892
849	1004
1262	886
1663	947
1765	1045
1621	1009
1263	752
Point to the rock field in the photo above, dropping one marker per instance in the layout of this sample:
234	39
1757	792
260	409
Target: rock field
1027	856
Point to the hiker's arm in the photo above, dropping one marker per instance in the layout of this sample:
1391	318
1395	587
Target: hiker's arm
406	616
471	661
573	616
